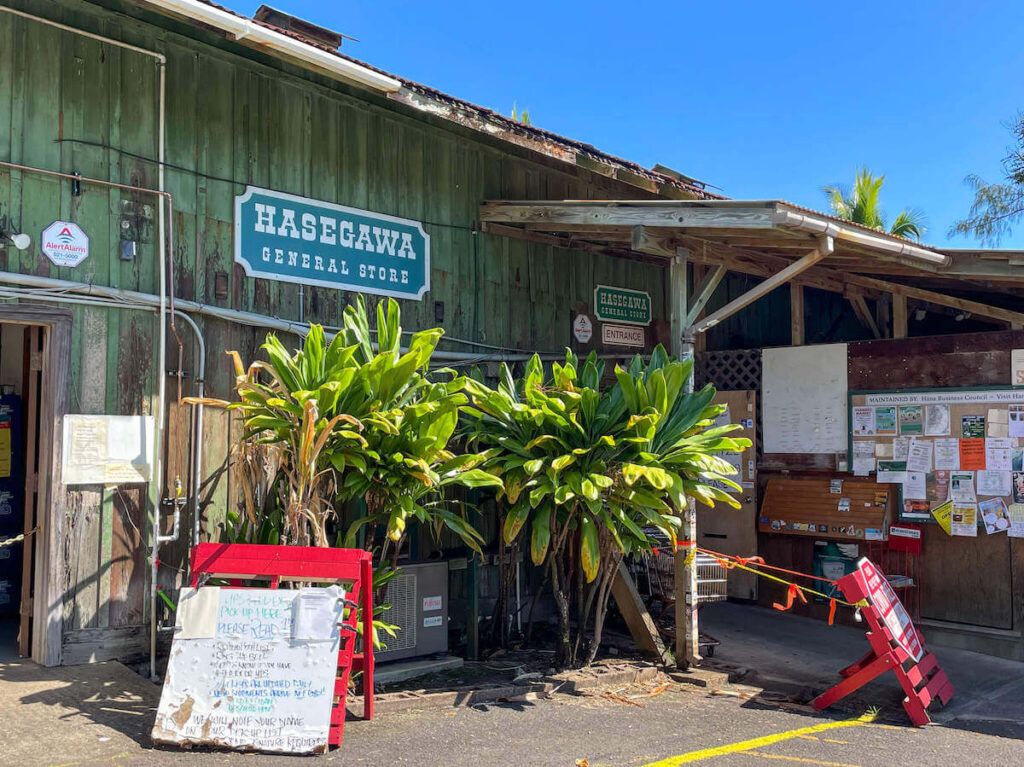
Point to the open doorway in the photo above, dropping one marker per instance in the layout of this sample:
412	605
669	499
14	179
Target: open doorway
21	353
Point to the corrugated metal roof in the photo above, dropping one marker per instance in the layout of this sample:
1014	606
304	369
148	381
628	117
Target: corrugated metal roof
499	126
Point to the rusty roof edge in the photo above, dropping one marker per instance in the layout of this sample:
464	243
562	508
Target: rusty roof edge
480	119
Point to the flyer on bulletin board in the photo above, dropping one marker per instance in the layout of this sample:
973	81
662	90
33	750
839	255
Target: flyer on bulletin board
965	519
944	515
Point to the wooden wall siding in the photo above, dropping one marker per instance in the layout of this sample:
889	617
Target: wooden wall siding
233	121
828	317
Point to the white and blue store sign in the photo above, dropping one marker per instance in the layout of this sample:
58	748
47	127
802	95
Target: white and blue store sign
295	239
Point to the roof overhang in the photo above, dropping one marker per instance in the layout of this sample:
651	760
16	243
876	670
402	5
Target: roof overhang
775	240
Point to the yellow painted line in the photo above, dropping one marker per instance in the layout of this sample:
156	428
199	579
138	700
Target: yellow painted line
800	759
766	740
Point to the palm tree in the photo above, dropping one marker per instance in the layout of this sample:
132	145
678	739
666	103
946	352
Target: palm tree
861	206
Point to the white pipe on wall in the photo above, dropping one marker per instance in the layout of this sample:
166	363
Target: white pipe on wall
241	28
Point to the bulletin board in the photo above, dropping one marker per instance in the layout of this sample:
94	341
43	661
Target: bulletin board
854	509
954	456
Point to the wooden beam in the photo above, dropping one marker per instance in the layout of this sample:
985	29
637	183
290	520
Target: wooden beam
678	215
677	282
640	623
763	288
702	294
907	291
899	316
860	308
643	240
796	314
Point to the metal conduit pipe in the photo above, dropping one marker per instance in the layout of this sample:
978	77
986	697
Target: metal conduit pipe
128	297
197	421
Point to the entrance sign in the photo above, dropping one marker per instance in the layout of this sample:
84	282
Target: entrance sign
252	669
288	238
623	335
622	305
64	243
895	646
582	328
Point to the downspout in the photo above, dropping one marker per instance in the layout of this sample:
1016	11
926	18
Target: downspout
156	486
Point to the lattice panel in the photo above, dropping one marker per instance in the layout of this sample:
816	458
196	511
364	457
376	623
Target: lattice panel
738	370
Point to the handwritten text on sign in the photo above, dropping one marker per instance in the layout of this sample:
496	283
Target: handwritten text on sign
252	669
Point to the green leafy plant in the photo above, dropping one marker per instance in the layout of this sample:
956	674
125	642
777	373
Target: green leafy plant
587	472
403	468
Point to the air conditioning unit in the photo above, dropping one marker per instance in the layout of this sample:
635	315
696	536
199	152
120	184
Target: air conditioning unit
418	596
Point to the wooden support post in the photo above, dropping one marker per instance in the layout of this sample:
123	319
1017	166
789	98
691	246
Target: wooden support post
473	614
705	288
685	569
641	625
766	287
796	314
883	314
677	301
899	315
860	308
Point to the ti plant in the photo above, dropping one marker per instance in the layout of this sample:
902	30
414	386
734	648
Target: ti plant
352	418
589	472
403	468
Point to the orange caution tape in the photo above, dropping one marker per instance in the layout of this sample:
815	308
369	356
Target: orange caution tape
831	611
792	593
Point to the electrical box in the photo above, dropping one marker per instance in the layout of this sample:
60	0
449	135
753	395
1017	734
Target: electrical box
419	607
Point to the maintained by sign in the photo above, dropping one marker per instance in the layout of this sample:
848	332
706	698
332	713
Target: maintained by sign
622	305
295	239
623	335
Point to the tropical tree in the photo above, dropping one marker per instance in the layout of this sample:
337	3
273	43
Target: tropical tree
591	473
999	205
353	418
862	205
403	467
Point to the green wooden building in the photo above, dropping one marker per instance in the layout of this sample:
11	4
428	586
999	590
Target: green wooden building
144	124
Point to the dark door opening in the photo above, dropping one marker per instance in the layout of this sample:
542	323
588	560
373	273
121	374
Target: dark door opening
20	377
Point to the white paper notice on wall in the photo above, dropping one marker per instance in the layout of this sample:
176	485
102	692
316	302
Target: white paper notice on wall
252	684
1017	367
107	449
805	405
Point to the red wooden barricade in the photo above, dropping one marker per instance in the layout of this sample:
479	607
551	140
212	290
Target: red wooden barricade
895	644
247	562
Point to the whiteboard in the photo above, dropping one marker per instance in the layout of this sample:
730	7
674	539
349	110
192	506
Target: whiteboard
804	399
252	669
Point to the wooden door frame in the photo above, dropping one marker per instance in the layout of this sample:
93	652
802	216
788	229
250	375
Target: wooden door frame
51	505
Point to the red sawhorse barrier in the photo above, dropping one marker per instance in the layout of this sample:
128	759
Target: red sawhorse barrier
239	562
895	645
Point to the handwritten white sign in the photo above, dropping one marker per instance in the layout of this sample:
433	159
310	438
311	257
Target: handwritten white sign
252	669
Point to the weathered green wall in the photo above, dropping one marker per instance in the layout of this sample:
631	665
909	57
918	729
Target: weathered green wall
73	104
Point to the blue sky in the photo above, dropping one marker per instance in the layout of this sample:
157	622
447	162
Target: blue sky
765	100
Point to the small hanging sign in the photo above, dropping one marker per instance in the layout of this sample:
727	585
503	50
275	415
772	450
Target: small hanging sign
623	335
582	328
64	243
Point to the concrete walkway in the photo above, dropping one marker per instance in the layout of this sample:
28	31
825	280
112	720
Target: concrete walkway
786	650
